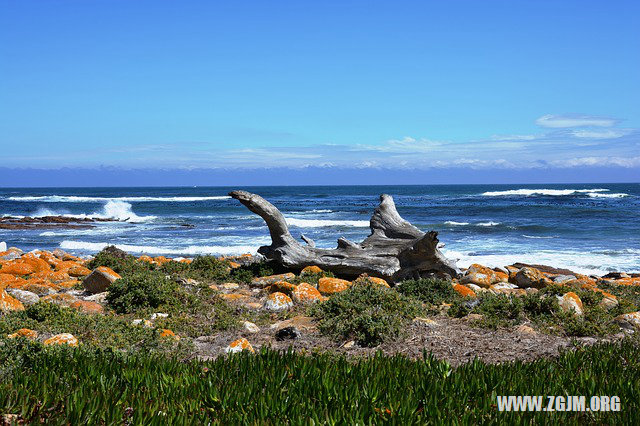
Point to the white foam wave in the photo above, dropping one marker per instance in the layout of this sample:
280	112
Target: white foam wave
79	199
580	262
453	223
115	210
184	251
613	195
487	224
534	237
549	192
320	223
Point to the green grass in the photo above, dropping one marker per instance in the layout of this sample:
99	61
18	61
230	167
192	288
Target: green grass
431	291
59	385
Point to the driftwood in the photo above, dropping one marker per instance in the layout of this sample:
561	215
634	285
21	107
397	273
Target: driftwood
395	250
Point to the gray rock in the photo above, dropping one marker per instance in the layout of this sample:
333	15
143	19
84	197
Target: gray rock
26	297
98	281
100	298
3	246
564	278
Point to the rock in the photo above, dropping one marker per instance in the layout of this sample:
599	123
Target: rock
143	323
239	345
100	279
609	301
366	279
278	302
332	285
40	288
80	271
281	286
24	332
87	307
301	322
250	327
531	277
62	339
3	246
570	302
253	305
62	299
473	317
525	329
630	321
17	267
425	321
288	333
98	298
483	276
234	297
268	280
349	344
157	315
464	291
10	254
562	279
8	303
311	270
544	268
306	293
229	286
26	297
165	333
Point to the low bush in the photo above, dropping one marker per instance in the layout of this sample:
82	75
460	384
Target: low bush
367	313
141	290
431	291
122	263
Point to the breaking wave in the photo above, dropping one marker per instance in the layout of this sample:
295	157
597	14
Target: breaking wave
115	210
551	192
77	199
320	223
184	251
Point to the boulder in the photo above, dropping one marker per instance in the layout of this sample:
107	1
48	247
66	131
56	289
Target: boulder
100	280
62	299
24	332
278	302
570	302
311	270
282	287
62	339
250	327
8	303
464	291
239	345
26	297
483	276
531	277
87	307
332	285
165	333
630	321
366	279
268	280
306	293
3	246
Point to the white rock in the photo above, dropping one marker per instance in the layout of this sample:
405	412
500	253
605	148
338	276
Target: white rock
26	297
3	246
250	327
98	298
157	315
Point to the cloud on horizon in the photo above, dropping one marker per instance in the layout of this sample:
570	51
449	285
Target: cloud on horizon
575	120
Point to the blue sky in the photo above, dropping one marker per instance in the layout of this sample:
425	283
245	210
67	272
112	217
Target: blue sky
491	86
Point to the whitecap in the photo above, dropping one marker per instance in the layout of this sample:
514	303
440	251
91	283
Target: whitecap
80	199
536	237
321	223
115	210
548	192
184	251
614	195
453	223
487	224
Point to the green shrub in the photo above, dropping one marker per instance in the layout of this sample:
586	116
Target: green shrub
245	273
174	268
431	291
120	262
209	268
312	277
141	290
369	314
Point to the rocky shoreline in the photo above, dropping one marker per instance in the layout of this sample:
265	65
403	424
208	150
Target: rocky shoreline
278	305
49	222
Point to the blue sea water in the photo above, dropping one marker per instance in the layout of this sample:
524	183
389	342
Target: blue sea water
590	228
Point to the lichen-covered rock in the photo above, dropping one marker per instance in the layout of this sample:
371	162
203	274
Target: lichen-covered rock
24	332
250	327
62	299
282	287
17	267
570	302
87	307
239	345
464	291
8	303
278	302
313	269
306	293
26	297
629	321
609	301
100	280
531	277
234	297
144	323
366	279
62	339
268	280
332	285
78	271
41	288
165	333
483	276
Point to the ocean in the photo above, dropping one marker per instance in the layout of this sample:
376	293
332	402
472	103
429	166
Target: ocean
589	228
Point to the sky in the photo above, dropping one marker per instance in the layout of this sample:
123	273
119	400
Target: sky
201	92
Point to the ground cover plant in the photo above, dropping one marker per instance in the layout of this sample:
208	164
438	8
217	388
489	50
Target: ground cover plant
85	385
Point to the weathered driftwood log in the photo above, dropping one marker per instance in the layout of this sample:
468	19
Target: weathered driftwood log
395	250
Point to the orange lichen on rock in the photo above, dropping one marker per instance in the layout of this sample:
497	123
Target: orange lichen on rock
62	299
483	276
281	286
145	258
270	279
100	279
52	276
87	307
62	339
8	303
464	291
234	297
306	293
24	332
366	279
332	285
313	269
40	287
234	265
239	345
531	277
6	279
165	333
570	302
78	271
278	302
17	267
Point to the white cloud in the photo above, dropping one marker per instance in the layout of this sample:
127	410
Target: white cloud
565	121
600	134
